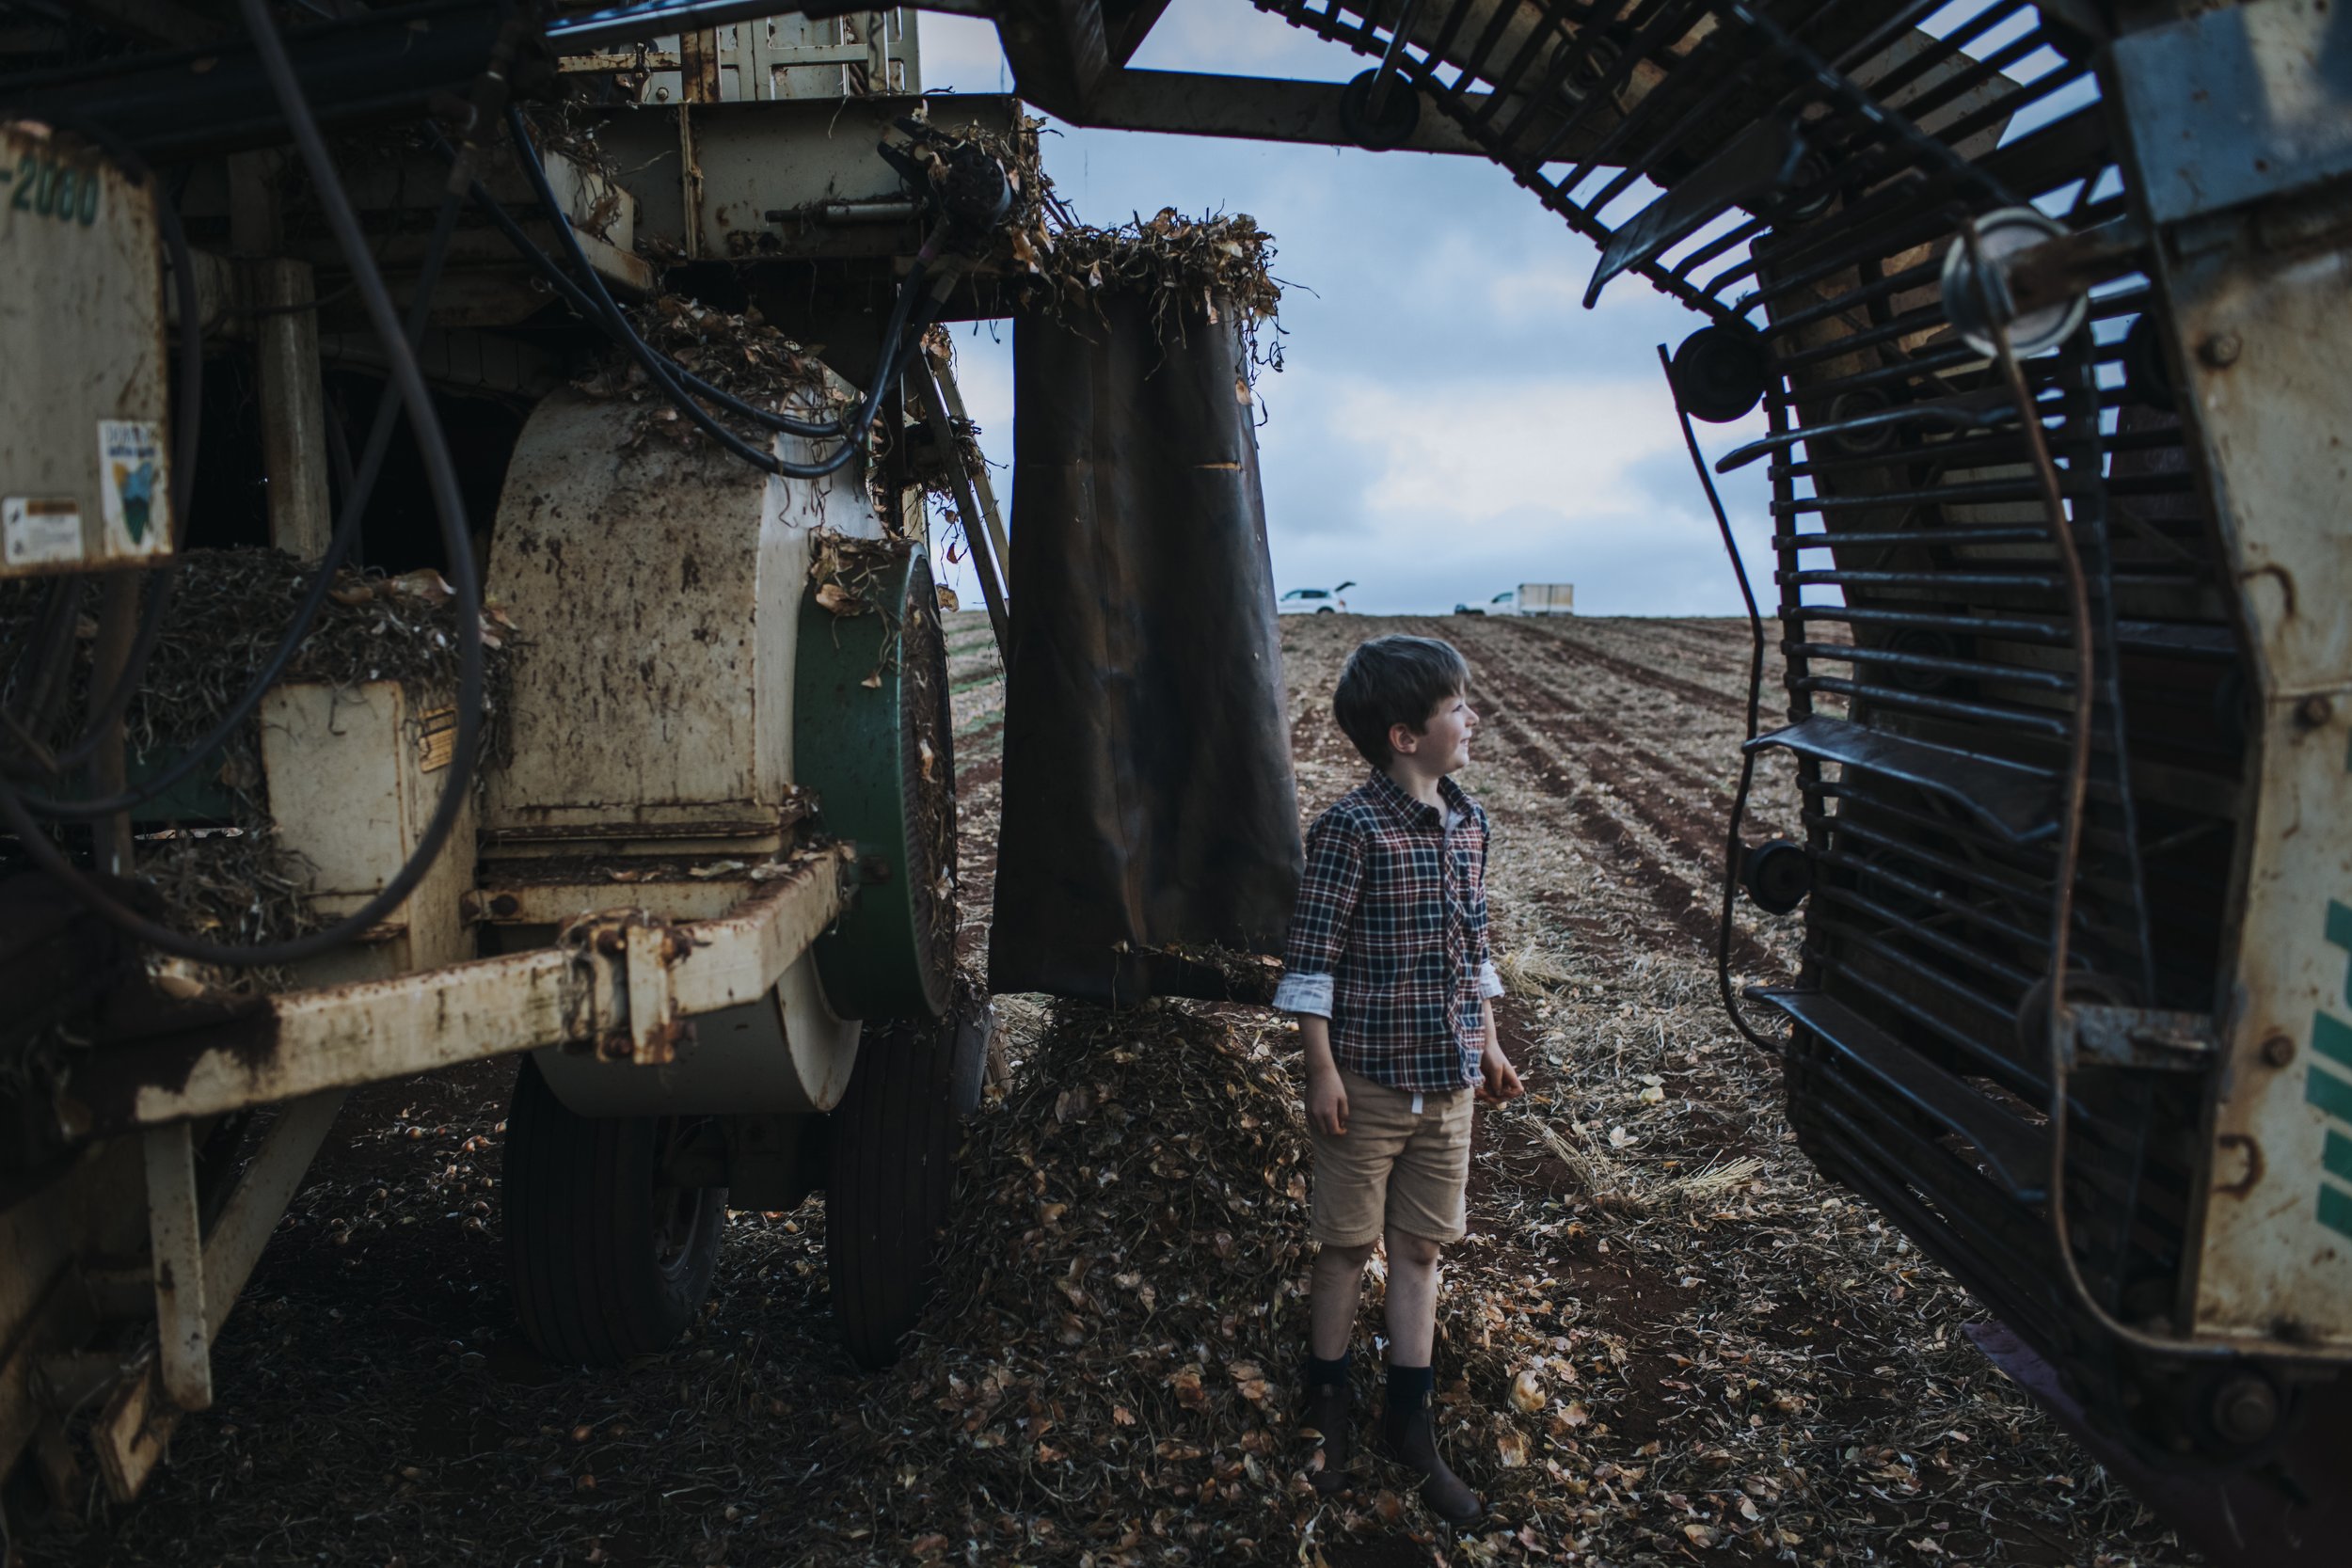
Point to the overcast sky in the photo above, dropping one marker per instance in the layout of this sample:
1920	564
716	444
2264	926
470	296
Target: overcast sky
1451	422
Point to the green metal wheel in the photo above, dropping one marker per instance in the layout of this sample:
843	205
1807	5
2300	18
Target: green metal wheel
872	736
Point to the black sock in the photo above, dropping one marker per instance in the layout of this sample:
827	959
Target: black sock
1327	1374
1409	1389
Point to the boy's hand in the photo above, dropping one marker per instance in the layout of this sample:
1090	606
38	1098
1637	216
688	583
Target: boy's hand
1497	1080
1327	1102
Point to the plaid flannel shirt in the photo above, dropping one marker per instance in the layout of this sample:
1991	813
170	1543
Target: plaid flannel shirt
1388	937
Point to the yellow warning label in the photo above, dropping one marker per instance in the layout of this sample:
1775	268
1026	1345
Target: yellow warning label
436	738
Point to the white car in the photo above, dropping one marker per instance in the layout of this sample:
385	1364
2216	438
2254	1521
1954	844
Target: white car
1505	603
1314	601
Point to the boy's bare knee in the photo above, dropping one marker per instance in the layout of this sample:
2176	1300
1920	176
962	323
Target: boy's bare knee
1416	1252
1344	1257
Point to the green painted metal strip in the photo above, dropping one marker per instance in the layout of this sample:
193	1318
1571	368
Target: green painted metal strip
2338	1156
2335	1210
2333	1038
2328	1092
2339	935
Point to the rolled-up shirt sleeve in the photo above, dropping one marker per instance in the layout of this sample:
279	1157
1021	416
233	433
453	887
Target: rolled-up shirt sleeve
1319	921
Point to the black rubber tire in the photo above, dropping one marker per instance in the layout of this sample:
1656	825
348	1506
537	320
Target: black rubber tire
891	1175
605	1265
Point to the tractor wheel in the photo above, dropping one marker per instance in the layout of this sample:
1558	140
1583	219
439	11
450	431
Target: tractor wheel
605	1261
893	1145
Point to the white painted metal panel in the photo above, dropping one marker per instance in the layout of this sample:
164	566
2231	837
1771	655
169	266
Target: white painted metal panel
84	471
2264	335
661	584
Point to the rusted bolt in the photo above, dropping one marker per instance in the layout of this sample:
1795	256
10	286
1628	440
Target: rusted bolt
2221	350
2278	1051
505	903
2245	1410
2314	710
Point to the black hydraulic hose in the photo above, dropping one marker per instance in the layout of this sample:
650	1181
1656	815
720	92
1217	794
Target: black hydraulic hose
315	598
657	368
441	476
1747	759
585	304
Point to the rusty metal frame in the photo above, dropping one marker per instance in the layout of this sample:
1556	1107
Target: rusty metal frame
623	984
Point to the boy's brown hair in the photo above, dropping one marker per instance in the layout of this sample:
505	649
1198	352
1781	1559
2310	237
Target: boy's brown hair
1395	680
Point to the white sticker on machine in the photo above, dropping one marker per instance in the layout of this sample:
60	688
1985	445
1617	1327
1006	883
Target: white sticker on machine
37	530
131	488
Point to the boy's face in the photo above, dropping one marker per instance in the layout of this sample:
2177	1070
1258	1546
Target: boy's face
1442	745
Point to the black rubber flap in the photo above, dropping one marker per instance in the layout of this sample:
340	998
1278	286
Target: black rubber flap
1150	838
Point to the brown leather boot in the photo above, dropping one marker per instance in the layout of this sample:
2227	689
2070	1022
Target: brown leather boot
1330	1411
1412	1442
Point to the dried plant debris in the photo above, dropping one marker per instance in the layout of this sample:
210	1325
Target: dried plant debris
566	128
236	885
851	577
931	468
228	611
1106	1373
1210	268
741	354
1215	263
1238	975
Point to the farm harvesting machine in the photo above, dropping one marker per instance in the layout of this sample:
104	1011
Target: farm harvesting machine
2035	302
701	869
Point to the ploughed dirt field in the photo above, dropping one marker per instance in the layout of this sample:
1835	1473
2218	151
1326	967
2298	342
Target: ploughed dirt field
1666	1340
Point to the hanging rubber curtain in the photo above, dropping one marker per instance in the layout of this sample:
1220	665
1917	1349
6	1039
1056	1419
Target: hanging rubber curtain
1150	827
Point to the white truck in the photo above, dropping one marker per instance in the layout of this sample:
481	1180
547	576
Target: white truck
1528	598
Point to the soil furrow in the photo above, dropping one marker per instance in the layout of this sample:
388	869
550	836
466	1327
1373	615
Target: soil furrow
1673	898
1640	674
1699	839
1654	759
1772	804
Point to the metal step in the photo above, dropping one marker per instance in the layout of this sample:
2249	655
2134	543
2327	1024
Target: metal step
2016	1154
2017	801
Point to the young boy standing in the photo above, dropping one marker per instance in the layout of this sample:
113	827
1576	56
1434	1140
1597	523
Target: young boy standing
1387	969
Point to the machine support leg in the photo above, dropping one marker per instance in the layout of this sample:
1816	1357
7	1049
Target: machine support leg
952	397
176	1240
199	1275
977	533
293	406
260	1201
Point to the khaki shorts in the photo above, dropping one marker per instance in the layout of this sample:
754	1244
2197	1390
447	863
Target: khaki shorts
1392	1168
